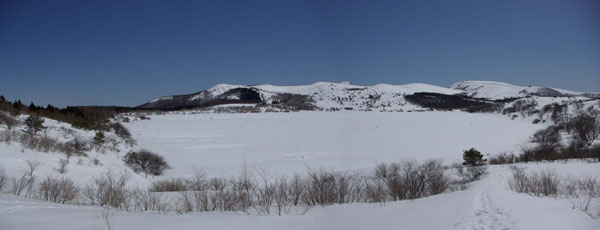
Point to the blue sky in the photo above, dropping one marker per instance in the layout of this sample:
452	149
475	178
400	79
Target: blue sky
128	52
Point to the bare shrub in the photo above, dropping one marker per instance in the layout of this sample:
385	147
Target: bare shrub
282	197
320	188
9	120
582	192
26	181
544	183
123	133
436	180
217	184
325	188
108	191
46	143
390	174
240	195
264	194
502	158
169	185
62	166
198	182
2	179
80	144
58	190
519	181
471	173
146	161
408	180
202	200
42	143
185	203
295	189
143	200
375	190
8	136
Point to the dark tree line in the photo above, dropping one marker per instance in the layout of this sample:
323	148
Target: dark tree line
450	102
86	117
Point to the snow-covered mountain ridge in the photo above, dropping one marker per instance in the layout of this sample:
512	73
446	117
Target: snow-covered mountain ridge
344	96
499	90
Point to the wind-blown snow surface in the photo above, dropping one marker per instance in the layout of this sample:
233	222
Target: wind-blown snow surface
283	143
486	205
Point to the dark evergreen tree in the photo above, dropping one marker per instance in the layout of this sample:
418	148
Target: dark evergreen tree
473	157
99	138
34	124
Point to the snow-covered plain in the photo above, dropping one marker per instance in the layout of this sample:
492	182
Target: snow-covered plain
283	143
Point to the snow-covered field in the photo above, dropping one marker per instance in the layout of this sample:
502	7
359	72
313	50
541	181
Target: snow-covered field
284	143
292	142
487	204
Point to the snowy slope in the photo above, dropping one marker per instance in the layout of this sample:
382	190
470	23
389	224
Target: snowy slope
81	169
499	90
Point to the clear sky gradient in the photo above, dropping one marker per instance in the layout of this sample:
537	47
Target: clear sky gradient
128	52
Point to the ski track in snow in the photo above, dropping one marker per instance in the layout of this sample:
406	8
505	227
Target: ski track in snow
488	215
